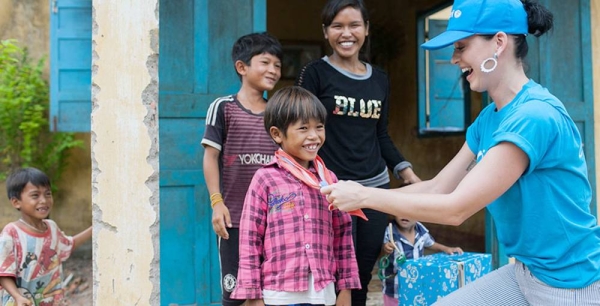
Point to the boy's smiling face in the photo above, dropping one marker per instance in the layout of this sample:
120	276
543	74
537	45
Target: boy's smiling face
35	203
302	140
263	72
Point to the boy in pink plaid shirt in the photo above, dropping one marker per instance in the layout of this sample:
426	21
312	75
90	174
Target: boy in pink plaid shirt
293	249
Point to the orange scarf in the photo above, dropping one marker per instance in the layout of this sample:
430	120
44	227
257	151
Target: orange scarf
288	163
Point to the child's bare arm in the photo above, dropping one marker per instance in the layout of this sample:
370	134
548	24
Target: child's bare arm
344	298
210	166
438	247
221	219
82	237
8	283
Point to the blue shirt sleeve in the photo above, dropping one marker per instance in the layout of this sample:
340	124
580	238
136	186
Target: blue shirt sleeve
473	136
532	127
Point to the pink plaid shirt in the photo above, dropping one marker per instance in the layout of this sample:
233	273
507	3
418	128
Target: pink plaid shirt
286	232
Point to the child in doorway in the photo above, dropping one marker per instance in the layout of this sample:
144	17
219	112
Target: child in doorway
235	145
33	248
293	249
408	239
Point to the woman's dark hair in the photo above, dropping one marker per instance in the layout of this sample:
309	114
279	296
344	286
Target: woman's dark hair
291	104
539	21
333	7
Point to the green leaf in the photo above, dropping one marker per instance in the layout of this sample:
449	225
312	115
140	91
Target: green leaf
25	137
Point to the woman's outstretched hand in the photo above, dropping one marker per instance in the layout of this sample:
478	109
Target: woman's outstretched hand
345	195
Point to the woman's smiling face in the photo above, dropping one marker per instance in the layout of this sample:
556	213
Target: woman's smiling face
347	32
469	54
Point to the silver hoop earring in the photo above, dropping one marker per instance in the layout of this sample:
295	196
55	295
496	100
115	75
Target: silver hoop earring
492	59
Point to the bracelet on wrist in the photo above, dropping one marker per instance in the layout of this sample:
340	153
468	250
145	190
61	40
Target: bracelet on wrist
215	199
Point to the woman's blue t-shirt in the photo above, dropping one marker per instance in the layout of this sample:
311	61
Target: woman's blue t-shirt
544	219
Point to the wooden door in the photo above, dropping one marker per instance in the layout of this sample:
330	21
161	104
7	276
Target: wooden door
195	67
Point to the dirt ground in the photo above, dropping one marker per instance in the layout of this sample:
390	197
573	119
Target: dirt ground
79	289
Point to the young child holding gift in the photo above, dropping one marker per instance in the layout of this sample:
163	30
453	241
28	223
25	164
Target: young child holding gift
404	239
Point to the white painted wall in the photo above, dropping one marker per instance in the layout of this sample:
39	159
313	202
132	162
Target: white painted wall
125	152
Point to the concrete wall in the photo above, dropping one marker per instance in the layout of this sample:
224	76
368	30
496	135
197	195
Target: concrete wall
27	21
124	142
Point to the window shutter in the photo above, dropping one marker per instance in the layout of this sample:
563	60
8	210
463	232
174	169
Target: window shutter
70	65
446	97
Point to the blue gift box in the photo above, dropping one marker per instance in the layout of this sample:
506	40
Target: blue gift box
471	265
425	280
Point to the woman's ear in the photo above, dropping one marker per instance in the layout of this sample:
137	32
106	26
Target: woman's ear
324	31
240	67
367	28
501	42
276	134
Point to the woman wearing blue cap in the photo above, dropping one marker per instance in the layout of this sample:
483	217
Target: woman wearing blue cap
523	160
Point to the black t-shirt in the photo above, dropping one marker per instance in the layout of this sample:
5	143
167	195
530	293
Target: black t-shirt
358	146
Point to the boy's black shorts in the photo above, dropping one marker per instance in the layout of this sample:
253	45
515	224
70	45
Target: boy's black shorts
230	258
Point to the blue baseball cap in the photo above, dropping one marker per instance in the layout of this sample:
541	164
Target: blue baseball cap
470	17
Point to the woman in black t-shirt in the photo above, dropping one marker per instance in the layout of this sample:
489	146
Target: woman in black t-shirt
358	147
